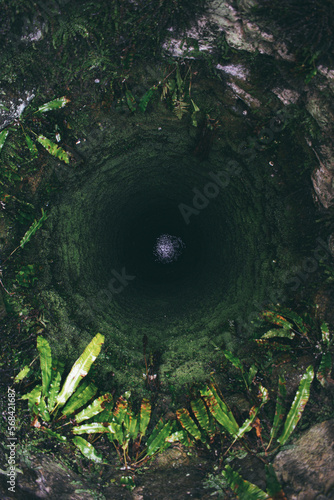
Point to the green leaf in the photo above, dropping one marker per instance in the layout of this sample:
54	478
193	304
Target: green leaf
145	415
155	432
219	410
57	371
131	101
325	368
36	403
244	490
146	99
274	489
188	424
234	360
3	137
44	350
92	428
42	409
178	436
221	403
80	368
120	410
325	334
129	415
53	149
22	374
60	438
32	229
201	414
33	398
106	415
298	405
247	425
160	443
116	432
279	332
194	114
180	108
31	146
279	411
87	450
251	374
236	363
133	428
93	409
128	482
297	320
82	395
60	102
277	319
196	108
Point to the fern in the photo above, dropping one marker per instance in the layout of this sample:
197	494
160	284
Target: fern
69	30
180	108
99	59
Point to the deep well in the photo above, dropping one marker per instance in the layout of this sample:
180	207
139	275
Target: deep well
232	206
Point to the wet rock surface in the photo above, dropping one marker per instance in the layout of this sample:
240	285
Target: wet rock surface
292	372
43	476
173	475
13	106
306	471
243	33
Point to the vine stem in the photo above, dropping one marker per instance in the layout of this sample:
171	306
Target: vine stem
3	286
15	249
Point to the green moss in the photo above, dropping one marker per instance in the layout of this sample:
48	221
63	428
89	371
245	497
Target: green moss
132	165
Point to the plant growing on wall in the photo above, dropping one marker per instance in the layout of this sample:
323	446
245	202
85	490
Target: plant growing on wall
209	410
55	406
51	402
175	92
211	416
244	490
48	398
289	327
21	126
25	276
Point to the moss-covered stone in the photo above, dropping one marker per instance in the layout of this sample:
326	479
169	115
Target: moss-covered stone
219	187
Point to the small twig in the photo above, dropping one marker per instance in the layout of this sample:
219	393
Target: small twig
33	361
3	286
15	249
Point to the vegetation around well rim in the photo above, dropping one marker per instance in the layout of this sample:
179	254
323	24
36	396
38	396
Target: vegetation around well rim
95	61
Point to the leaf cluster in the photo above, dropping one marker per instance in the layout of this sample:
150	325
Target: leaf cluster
212	415
291	331
51	402
56	403
244	490
85	28
18	145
